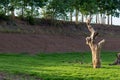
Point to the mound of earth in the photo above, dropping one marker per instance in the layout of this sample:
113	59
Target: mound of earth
34	43
20	37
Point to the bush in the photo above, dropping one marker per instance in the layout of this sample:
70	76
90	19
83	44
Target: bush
4	17
30	20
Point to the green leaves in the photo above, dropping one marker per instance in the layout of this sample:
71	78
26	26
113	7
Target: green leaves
59	9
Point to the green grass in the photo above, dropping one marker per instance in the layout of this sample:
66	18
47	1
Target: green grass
60	66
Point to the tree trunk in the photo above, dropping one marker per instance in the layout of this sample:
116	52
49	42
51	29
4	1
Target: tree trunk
77	12
101	19
23	6
12	13
71	16
111	19
96	18
117	61
108	20
95	47
5	9
32	10
82	18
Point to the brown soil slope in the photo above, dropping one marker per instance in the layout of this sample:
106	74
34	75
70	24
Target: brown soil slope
18	36
34	43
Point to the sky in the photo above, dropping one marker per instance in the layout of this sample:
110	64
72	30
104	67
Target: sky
116	21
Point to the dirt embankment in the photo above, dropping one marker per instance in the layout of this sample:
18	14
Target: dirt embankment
21	37
34	43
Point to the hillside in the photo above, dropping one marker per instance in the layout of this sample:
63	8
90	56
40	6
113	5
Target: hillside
52	36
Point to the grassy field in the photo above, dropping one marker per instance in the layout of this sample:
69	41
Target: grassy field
60	66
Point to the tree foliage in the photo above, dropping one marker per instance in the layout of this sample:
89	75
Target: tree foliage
59	9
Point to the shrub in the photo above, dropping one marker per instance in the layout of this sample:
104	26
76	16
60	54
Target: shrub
30	20
4	17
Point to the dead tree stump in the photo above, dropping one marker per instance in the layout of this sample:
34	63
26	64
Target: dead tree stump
117	61
95	47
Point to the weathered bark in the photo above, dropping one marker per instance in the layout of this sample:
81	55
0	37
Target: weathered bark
71	16
12	13
111	19
95	47
82	18
96	18
103	19
23	7
117	61
77	13
108	20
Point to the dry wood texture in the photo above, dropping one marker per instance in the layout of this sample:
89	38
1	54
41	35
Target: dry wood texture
95	47
117	60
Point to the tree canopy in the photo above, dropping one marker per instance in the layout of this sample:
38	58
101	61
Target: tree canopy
59	9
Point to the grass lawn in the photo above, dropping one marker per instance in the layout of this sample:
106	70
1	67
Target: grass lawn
60	66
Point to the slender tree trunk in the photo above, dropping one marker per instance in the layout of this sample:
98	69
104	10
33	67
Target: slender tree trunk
86	16
32	8
96	18
95	47
77	12
108	20
71	16
12	13
90	16
22	12
101	20
5	7
111	19
82	18
64	18
23	9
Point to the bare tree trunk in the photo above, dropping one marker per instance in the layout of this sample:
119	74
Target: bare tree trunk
12	13
71	16
101	19
82	18
5	9
111	19
117	61
108	19
23	7
96	18
95	47
77	12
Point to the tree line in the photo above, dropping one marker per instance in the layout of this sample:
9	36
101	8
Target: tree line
61	9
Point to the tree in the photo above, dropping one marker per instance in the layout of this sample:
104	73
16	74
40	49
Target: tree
70	8
117	60
4	6
57	9
22	4
76	6
30	7
12	6
95	47
108	7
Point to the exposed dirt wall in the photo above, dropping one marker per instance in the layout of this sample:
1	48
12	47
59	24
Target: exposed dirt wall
34	43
